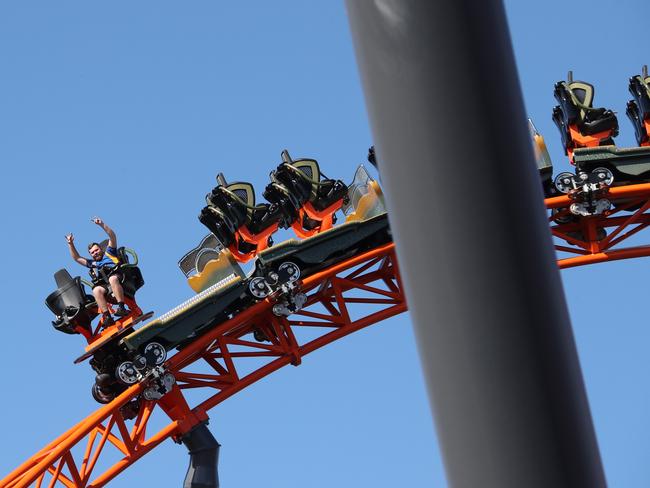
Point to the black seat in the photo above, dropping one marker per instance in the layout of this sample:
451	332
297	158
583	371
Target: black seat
638	109
232	207
132	279
576	109
131	276
287	203
71	304
219	224
303	180
232	202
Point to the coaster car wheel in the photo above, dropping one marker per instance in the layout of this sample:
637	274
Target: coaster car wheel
155	354
289	271
564	182
100	396
258	287
127	373
604	176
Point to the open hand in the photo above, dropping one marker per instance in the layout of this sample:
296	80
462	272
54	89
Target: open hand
69	238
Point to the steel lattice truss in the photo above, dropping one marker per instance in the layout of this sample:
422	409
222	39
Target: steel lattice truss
347	297
344	298
599	238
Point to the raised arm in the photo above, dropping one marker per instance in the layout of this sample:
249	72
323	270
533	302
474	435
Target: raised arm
73	250
112	238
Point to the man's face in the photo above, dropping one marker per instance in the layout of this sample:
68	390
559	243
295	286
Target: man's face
96	252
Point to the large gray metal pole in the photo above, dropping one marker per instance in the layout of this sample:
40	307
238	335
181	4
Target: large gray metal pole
472	239
204	458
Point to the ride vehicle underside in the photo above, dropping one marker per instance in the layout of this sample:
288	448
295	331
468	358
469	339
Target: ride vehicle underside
123	355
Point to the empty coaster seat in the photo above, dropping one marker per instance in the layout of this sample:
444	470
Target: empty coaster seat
575	111
638	109
208	264
365	198
236	220
194	261
325	192
227	210
73	307
219	224
304	181
287	203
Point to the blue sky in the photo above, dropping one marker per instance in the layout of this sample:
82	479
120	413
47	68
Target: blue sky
128	110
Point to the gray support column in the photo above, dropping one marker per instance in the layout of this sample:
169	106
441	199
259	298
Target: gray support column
204	458
472	239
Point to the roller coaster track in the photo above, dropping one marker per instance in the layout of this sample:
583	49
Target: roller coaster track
353	294
598	238
342	299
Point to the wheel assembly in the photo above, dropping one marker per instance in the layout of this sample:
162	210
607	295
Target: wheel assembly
289	272
258	288
127	373
100	395
155	354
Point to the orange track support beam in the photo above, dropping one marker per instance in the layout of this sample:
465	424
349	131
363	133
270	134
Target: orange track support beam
374	279
599	238
211	365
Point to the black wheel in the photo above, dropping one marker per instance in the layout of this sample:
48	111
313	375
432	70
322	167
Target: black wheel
127	373
155	354
101	396
259	336
258	287
603	175
564	182
289	271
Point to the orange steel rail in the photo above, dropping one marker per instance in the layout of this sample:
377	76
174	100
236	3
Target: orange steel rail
104	444
597	239
342	299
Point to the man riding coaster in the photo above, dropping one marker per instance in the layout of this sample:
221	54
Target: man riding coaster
103	270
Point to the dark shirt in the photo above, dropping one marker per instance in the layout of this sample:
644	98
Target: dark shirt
109	259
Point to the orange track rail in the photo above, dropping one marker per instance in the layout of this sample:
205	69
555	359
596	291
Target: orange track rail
342	299
211	364
598	239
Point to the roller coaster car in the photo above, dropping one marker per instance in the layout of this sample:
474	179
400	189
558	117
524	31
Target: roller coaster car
224	290
638	109
275	267
233	217
280	267
276	273
139	355
309	199
597	169
580	124
75	308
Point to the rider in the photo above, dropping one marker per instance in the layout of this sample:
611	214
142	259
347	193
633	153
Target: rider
101	268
